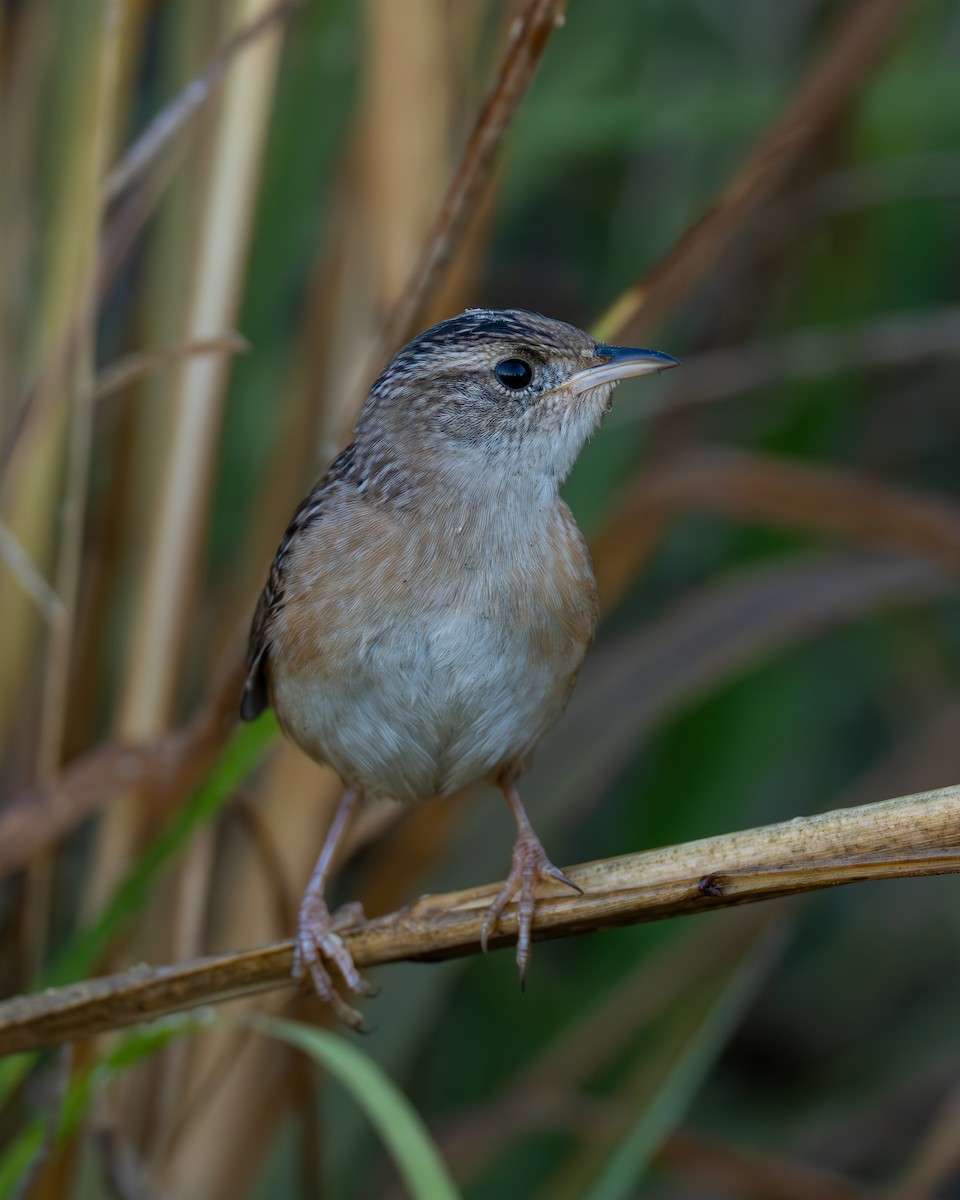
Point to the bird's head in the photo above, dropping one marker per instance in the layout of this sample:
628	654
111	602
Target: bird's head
500	390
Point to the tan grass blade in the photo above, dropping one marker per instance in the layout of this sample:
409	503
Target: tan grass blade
53	475
760	488
908	339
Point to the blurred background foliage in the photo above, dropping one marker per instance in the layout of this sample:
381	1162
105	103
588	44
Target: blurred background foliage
776	529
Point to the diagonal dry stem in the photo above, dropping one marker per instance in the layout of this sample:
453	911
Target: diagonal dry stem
909	836
132	190
171	121
525	48
823	96
132	367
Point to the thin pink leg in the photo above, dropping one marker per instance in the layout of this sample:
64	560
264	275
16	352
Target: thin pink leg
318	939
529	864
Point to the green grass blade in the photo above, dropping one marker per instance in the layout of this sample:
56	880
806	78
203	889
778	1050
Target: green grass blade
625	1168
13	1070
132	1048
390	1112
241	755
18	1157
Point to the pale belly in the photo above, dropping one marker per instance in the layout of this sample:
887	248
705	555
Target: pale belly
430	704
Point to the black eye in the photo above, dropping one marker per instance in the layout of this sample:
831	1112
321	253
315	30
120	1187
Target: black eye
514	373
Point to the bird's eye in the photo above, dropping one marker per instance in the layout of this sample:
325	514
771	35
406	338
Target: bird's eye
514	373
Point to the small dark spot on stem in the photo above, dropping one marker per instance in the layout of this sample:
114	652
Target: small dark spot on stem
710	885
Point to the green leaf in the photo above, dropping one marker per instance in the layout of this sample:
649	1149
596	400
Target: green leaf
390	1112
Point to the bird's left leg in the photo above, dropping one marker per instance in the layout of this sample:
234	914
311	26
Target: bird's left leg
529	864
318	936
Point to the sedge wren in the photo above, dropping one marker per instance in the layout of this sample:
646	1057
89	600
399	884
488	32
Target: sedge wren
431	602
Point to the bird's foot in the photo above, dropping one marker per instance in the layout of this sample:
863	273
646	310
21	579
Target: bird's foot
530	864
319	945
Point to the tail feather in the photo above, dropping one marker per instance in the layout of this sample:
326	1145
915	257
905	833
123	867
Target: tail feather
255	696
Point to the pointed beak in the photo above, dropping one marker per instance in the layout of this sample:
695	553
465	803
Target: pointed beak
614	363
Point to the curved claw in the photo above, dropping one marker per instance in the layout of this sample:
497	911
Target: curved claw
319	945
555	873
323	986
490	919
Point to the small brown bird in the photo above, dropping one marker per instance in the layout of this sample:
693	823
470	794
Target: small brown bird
431	602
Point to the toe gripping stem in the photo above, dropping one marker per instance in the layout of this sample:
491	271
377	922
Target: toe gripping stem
528	865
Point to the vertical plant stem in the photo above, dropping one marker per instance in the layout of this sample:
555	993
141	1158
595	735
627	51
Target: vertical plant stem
77	399
176	535
175	541
79	396
180	519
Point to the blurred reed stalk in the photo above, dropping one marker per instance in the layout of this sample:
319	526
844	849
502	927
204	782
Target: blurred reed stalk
168	588
176	526
45	490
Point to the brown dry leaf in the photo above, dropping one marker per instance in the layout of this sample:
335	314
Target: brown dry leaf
169	767
769	490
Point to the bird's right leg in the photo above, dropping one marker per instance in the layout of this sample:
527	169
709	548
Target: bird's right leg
318	932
